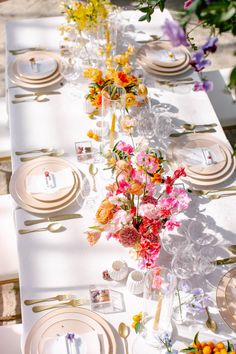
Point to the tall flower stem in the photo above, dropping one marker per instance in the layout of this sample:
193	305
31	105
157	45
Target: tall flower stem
180	305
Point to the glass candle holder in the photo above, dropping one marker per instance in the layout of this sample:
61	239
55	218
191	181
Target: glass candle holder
113	110
159	288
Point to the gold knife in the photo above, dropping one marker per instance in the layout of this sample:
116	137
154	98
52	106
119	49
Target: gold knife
37	94
224	261
53	218
177	134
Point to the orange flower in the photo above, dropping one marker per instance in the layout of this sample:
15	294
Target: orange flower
156	178
93	73
105	212
123	79
93	237
112	187
97	100
136	188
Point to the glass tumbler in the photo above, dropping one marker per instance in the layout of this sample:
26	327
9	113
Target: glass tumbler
159	288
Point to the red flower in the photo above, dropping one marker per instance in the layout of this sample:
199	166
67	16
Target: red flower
149	229
149	253
128	236
179	173
149	199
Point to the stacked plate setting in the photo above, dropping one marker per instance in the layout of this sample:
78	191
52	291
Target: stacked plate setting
35	69
80	321
192	152
225	298
48	201
160	58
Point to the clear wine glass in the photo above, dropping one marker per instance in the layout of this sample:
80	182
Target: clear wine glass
172	241
184	262
71	71
163	127
202	231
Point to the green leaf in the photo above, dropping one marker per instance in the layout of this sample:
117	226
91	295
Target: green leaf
189	350
144	9
227	15
143	18
230	347
137	327
196	338
162	5
232	79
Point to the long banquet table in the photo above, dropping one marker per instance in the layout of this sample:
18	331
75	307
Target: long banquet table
65	263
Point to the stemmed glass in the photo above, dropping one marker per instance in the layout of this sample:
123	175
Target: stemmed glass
71	70
163	127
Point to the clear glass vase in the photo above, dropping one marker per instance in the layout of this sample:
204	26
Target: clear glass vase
159	289
113	110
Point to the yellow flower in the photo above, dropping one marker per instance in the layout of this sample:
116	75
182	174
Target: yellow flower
142	90
130	99
93	73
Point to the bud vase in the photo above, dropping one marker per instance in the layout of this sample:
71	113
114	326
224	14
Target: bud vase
159	289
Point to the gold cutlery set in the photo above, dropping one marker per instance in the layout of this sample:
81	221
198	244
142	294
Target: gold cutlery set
52	227
65	300
214	193
191	129
46	152
34	96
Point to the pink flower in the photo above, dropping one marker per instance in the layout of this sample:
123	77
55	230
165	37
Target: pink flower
187	4
122	146
171	224
149	253
182	199
148	210
120	218
128	236
123	186
148	162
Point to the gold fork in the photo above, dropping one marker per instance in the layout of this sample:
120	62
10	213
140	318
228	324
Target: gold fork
218	196
207	191
58	297
73	303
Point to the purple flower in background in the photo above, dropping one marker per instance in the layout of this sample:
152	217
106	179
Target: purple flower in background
175	33
70	336
198	61
205	85
187	4
211	45
185	285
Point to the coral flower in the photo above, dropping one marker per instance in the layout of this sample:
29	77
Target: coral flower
93	237
122	166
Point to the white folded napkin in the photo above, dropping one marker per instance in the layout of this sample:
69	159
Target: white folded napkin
51	184
86	343
202	155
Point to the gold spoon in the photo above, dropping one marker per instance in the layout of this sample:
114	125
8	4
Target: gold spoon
93	171
54	227
218	196
124	332
32	151
210	323
39	98
177	134
55	153
194	126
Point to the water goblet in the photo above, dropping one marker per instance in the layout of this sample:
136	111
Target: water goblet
202	231
163	127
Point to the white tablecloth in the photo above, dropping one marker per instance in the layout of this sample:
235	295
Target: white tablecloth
64	263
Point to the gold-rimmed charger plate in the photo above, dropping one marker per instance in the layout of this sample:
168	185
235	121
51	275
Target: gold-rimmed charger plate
167	74
70	320
225	301
201	171
226	173
53	166
47	62
27	202
38	81
157	53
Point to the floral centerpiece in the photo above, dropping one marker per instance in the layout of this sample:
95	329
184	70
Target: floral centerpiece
133	212
118	73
